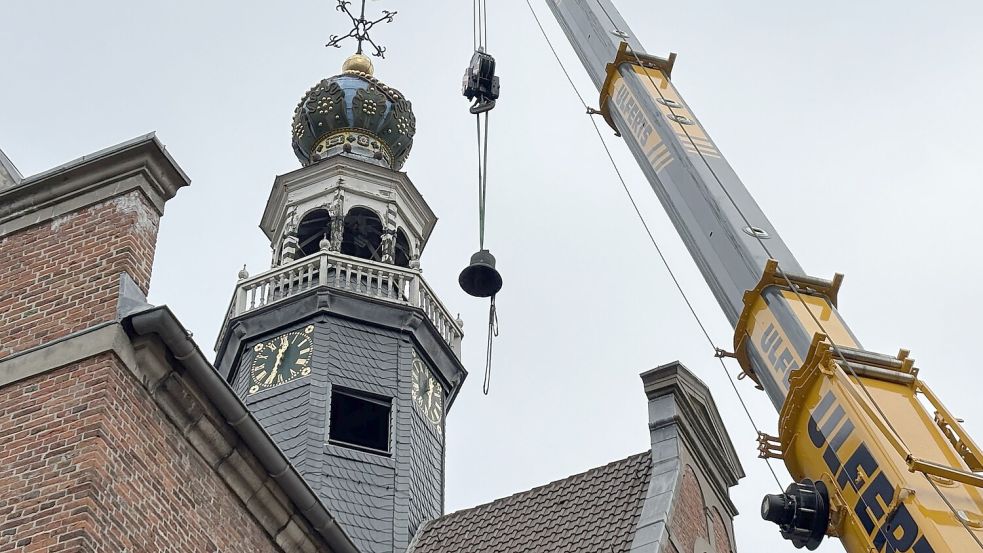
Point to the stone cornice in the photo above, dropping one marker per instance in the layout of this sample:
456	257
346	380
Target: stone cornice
325	300
341	166
140	164
700	425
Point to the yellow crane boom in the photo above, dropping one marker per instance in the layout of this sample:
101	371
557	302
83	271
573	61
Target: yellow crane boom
879	462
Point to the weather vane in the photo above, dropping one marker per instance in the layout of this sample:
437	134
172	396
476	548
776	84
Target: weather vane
362	27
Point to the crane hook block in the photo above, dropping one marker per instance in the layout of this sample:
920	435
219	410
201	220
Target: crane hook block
480	83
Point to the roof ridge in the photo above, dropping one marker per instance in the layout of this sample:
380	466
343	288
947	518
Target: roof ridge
463	512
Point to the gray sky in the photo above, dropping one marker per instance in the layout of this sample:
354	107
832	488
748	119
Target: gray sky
854	124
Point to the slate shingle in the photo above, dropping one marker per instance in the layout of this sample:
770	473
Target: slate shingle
595	511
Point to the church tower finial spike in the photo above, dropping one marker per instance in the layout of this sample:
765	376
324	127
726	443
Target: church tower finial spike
361	28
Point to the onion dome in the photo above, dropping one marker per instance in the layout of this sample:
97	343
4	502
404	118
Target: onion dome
354	114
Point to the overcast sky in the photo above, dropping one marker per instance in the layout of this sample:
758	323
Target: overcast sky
854	124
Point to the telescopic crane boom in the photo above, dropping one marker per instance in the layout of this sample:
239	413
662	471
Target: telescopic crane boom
873	466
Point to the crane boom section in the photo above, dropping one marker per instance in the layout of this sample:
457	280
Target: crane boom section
724	229
895	473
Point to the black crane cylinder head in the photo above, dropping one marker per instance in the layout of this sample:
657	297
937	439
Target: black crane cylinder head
801	513
480	278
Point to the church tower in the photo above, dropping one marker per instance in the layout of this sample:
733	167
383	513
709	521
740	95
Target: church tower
341	350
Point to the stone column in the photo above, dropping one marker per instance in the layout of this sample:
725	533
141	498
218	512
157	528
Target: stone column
337	211
288	251
387	248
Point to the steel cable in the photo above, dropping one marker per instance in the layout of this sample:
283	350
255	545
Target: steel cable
652	239
792	287
480	41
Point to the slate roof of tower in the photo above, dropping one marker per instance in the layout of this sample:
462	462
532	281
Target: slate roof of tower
595	511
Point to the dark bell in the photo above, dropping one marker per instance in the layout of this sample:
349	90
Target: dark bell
480	279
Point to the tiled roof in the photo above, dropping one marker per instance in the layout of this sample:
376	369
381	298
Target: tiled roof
592	512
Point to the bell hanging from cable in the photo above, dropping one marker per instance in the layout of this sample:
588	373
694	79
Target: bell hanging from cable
480	278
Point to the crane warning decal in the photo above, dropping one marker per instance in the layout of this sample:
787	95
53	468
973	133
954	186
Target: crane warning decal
772	347
687	132
640	127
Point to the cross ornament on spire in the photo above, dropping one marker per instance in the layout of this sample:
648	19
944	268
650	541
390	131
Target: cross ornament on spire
361	30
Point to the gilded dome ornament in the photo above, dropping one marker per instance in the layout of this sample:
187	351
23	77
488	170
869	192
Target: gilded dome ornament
358	63
354	114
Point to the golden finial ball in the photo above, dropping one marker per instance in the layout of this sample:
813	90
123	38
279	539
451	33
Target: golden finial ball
358	62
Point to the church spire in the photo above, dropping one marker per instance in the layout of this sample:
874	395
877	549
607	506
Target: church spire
342	350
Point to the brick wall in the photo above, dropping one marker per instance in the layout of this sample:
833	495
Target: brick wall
89	463
720	532
61	276
689	521
693	520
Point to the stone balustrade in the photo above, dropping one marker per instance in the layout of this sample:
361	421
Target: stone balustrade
360	276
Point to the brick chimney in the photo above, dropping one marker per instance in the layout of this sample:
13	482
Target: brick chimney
70	239
67	235
687	508
116	432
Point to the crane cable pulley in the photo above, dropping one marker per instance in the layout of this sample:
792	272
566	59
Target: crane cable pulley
480	278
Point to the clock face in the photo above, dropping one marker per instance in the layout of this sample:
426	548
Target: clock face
282	359
428	394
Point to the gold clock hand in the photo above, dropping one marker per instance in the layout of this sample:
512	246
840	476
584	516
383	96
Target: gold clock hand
276	363
269	380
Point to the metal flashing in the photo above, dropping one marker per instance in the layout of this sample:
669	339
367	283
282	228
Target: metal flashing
699	423
9	175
